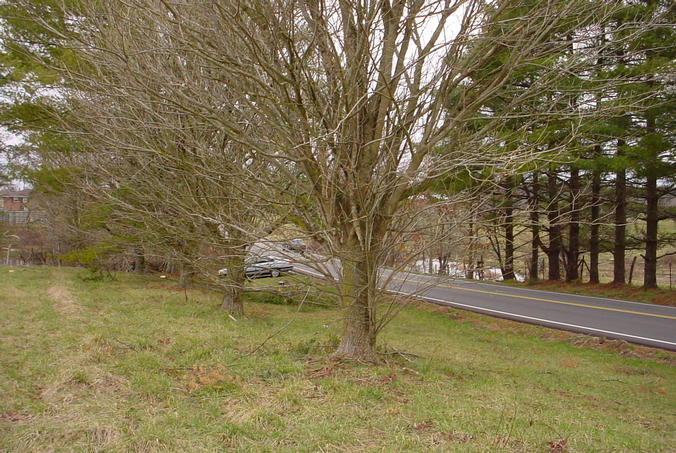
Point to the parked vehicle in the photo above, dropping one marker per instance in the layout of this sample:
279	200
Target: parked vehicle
294	245
263	266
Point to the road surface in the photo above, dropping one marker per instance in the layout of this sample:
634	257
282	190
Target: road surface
646	324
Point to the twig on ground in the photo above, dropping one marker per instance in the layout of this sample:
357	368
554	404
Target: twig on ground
278	331
126	345
403	354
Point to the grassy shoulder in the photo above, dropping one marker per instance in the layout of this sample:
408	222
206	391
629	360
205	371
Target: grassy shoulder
660	296
132	365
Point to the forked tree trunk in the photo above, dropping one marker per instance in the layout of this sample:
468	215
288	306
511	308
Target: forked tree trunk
359	336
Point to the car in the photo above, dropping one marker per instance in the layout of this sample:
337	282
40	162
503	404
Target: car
263	266
294	245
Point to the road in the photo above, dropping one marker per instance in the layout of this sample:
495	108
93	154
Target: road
646	324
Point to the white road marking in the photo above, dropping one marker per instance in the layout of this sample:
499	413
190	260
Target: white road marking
593	329
531	318
459	282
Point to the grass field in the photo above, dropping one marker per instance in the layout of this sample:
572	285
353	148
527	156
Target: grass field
132	365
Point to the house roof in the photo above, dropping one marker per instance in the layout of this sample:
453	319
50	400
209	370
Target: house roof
15	193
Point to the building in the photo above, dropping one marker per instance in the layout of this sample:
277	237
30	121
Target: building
16	207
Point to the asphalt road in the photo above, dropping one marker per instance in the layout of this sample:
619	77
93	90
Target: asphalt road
646	324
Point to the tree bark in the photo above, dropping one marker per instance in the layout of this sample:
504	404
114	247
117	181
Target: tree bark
359	336
185	275
535	229
573	250
508	274
469	270
139	260
652	200
594	239
631	269
232	301
620	221
650	267
553	214
234	282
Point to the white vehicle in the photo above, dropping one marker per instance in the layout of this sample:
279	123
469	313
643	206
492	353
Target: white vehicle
263	266
295	245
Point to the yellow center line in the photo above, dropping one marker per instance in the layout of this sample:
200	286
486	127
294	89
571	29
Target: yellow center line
540	299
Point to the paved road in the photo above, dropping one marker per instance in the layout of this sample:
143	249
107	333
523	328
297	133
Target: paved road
651	325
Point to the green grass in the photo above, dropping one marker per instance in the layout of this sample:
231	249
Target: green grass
130	365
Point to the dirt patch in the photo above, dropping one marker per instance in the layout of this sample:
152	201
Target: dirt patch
215	377
64	302
15	417
624	348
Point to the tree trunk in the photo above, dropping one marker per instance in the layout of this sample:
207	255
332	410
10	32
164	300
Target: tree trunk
508	273
650	267
652	199
359	336
232	300
139	260
594	239
185	275
234	282
469	270
631	269
553	214
443	263
535	230
620	221
573	250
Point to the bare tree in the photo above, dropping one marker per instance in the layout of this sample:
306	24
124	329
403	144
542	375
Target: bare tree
173	180
356	107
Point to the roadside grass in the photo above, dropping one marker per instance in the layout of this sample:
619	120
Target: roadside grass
660	296
131	365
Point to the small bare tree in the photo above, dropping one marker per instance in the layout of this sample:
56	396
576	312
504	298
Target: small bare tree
171	179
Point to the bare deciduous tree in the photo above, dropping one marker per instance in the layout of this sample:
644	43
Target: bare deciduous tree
356	107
